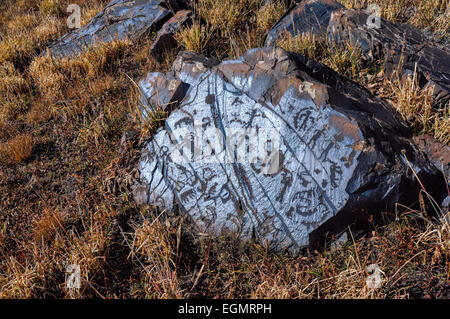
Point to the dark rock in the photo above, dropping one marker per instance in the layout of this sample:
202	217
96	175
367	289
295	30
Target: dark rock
445	208
278	147
128	138
310	16
438	153
164	90
404	47
120	19
165	39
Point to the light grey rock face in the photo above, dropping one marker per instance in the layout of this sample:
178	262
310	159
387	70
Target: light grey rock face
260	148
120	19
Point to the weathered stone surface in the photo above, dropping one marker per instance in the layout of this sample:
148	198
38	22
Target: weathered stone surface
176	5
165	39
404	47
334	152
311	16
120	19
437	152
446	208
164	90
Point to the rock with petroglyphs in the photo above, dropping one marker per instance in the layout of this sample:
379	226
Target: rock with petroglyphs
275	147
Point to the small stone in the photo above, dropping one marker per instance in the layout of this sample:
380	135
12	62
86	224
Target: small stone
437	152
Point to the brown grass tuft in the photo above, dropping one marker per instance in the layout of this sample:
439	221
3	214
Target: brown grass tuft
48	225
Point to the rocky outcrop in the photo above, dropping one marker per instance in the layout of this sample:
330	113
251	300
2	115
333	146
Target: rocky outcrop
310	16
165	39
276	147
405	48
120	19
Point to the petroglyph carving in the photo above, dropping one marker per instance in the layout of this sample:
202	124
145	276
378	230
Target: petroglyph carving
259	148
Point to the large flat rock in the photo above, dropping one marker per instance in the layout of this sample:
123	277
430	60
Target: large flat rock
120	19
405	48
276	147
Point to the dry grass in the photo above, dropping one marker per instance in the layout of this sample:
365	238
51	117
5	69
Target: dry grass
269	14
225	16
47	225
305	43
88	12
54	77
442	126
18	281
65	185
155	246
12	83
50	7
25	34
76	110
407	251
415	105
